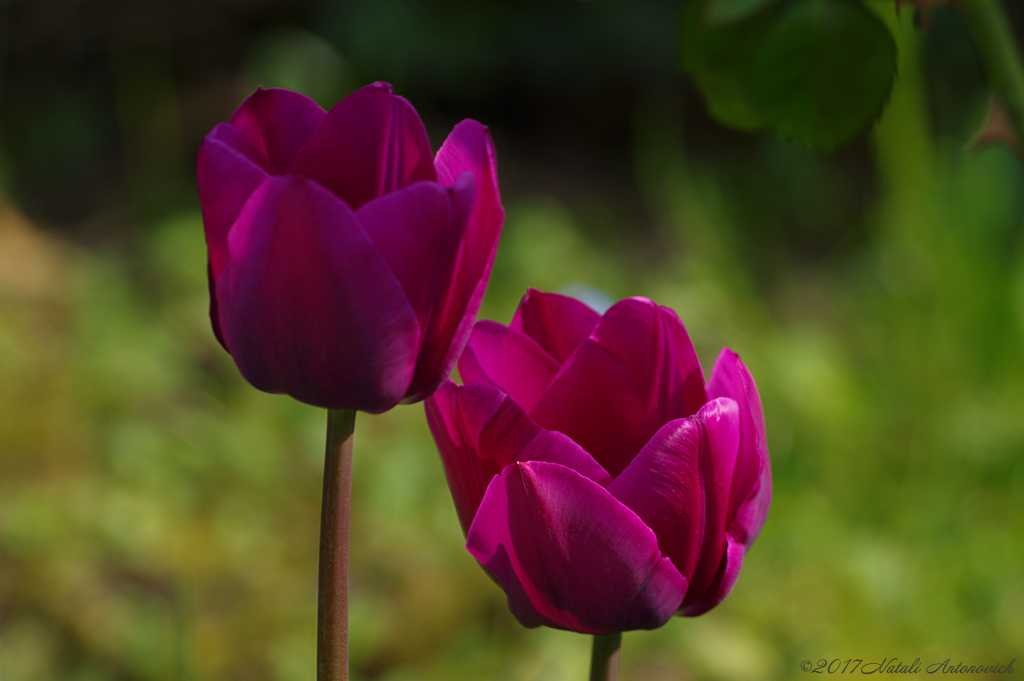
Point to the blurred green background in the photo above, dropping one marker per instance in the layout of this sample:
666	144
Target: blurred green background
159	517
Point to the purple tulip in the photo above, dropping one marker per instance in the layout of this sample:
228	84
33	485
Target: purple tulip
601	482
347	262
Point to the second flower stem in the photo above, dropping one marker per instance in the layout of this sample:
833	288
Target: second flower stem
332	596
604	662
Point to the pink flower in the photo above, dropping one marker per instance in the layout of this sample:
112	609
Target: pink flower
599	480
346	262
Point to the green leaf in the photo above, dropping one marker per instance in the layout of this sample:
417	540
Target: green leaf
824	71
728	11
721	58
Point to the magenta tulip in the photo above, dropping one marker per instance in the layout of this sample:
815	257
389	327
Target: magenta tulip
347	262
601	482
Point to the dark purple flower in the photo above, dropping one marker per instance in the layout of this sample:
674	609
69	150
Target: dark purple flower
347	262
601	482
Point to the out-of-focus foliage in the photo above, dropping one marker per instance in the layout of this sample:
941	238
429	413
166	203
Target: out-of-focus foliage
814	71
158	517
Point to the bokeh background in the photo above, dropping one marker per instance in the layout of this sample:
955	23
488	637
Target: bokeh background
159	517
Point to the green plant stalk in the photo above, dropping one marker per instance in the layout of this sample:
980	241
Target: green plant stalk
1000	57
604	661
332	595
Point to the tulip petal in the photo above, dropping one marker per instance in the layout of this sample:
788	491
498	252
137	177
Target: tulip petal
467	149
571	556
558	323
228	169
214	313
723	583
418	230
278	122
636	372
242	143
308	307
679	485
752	487
508	359
479	430
371	143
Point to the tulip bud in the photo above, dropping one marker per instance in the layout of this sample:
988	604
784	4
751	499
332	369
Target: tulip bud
346	262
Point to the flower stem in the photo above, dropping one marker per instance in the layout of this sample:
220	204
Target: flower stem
999	55
604	662
332	599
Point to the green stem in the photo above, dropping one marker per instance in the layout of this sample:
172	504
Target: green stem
604	662
332	599
1000	56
